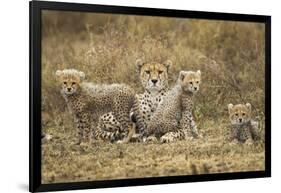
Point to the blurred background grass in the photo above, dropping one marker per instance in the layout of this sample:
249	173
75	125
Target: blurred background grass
105	46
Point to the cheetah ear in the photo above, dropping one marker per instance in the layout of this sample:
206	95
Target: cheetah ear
139	64
182	75
81	75
168	64
199	72
249	107
58	73
230	106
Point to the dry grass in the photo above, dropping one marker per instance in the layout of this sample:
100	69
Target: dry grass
64	162
229	54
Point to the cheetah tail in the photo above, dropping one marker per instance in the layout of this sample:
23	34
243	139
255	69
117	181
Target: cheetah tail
106	135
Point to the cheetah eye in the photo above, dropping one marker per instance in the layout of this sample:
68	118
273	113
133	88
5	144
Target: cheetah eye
197	82
236	114
147	72
160	71
64	83
243	114
190	82
73	83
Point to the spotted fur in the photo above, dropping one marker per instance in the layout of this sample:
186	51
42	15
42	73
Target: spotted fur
243	128
89	101
173	118
154	79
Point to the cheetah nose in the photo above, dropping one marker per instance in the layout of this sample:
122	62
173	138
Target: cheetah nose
240	120
195	88
154	81
68	89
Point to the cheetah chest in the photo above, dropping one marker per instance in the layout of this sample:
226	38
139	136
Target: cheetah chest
243	132
149	104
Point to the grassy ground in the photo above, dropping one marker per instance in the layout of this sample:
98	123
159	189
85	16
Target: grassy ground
64	162
229	54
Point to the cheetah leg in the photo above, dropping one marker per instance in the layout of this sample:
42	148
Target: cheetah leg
83	128
122	115
255	130
109	122
137	137
180	134
232	136
137	123
106	131
169	137
248	136
193	127
187	123
131	133
151	139
137	116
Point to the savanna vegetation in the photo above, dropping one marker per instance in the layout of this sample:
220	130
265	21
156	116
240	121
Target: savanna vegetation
229	54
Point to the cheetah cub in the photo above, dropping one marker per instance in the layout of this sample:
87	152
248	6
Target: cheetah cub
243	128
173	118
88	101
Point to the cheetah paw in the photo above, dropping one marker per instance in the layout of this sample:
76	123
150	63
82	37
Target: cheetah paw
120	142
249	142
166	139
151	139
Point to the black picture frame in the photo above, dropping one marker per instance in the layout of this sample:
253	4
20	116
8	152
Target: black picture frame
36	8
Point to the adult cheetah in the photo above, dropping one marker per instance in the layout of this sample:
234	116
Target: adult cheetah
154	79
173	118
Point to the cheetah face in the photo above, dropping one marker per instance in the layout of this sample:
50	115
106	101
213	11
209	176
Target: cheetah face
70	80
190	81
153	75
239	114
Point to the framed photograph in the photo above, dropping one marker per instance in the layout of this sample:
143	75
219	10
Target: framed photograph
126	96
